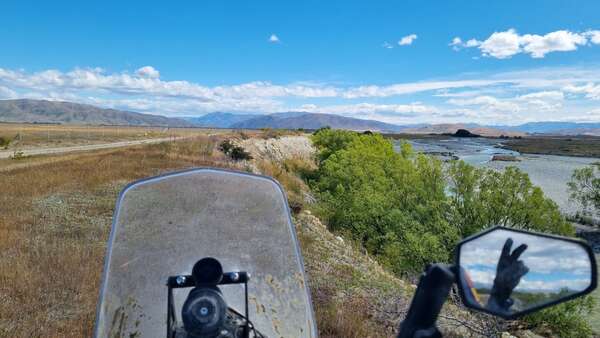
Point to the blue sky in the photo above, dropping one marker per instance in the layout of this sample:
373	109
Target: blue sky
500	62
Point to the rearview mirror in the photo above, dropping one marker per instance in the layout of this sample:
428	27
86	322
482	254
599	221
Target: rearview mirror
509	273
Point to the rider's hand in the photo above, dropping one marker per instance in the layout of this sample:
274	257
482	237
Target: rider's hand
508	275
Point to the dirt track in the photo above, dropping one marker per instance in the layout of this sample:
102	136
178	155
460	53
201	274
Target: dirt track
61	150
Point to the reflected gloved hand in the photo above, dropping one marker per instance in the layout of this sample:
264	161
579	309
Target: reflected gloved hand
508	275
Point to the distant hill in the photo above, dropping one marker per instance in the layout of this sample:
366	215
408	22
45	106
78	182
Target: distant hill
295	120
451	128
290	114
559	128
220	120
578	131
42	111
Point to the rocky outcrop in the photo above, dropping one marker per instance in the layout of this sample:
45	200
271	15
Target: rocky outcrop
464	133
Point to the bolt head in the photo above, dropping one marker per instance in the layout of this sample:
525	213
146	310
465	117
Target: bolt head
180	280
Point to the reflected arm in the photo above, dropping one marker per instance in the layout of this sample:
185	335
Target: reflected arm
509	272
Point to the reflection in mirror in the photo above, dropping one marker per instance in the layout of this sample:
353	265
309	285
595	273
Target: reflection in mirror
508	272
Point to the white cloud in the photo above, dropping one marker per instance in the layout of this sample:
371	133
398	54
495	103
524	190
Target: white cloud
594	37
124	83
514	97
535	105
472	43
591	116
7	93
546	101
407	40
457	43
591	90
390	113
274	39
370	108
387	45
550	95
410	88
463	93
552	286
503	45
148	71
559	41
487	103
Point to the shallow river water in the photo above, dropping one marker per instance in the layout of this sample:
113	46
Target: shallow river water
549	172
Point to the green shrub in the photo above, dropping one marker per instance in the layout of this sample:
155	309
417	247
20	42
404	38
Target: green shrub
393	203
328	141
484	197
564	320
226	146
4	142
238	153
320	129
584	188
18	155
234	151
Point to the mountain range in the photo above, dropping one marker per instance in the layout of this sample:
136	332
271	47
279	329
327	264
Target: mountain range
220	120
42	111
564	128
294	120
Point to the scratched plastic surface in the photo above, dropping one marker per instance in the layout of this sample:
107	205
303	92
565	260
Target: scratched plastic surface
163	225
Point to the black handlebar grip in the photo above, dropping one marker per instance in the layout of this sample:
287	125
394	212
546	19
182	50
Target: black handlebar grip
432	292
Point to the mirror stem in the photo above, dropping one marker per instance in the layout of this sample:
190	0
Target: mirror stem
433	289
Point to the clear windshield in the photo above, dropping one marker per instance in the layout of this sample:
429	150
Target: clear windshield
163	225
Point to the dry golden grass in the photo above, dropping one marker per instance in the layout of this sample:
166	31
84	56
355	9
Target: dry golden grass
22	135
288	176
54	222
347	319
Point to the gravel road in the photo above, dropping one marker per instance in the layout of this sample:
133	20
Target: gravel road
61	150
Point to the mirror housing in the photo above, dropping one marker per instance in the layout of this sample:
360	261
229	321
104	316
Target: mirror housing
509	272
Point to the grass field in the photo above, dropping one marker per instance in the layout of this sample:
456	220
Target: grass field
55	216
24	136
582	146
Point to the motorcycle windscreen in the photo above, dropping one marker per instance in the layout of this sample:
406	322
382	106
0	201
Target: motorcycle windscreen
163	225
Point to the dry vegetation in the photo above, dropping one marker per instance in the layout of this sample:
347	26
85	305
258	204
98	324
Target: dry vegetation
583	146
24	136
54	221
